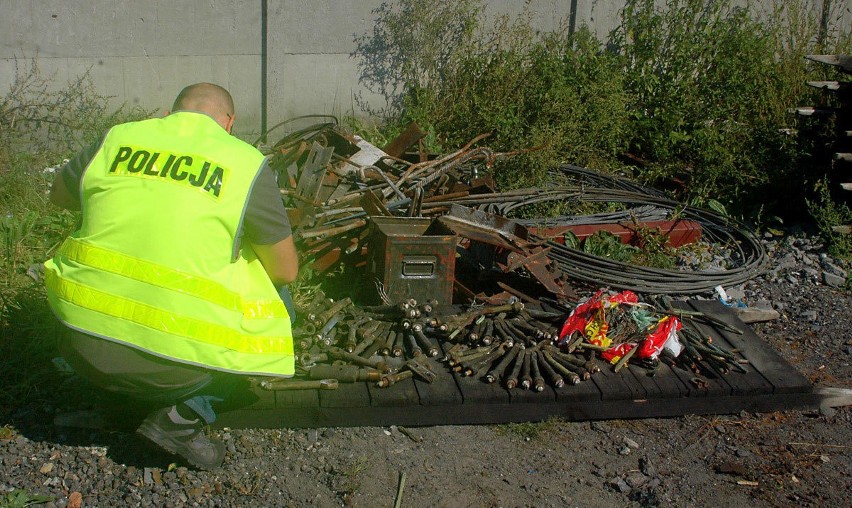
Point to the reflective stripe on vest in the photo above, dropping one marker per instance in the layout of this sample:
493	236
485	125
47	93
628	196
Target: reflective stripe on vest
159	320
168	278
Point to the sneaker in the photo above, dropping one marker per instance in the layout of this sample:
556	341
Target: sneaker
186	440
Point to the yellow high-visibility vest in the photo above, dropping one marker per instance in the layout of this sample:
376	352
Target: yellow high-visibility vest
157	263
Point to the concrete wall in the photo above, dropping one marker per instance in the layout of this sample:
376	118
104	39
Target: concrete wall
144	52
141	52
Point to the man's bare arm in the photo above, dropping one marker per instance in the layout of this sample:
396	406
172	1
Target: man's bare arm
280	260
60	195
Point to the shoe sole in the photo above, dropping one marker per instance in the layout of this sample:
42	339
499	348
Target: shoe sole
157	435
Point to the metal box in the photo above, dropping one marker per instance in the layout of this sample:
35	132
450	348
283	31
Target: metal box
409	262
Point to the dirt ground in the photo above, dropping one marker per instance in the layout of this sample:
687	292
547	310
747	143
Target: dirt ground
789	458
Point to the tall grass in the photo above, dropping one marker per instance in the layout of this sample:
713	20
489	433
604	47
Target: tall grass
40	126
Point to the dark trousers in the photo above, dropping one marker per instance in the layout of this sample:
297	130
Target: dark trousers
143	377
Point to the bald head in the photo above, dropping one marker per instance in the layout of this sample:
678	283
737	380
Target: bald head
207	98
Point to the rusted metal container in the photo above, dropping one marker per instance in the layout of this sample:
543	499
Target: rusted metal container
409	262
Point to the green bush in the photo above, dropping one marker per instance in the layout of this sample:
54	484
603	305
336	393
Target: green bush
557	92
40	125
830	214
711	86
692	96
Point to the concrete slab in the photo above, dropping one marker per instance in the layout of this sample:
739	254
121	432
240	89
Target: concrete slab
306	84
318	26
127	28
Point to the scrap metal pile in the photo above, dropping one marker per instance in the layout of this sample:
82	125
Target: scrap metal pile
446	274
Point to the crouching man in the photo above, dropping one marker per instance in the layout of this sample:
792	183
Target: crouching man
168	290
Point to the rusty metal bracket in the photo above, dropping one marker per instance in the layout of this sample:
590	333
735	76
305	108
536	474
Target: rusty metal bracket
420	368
516	260
373	205
485	228
404	141
542	268
313	171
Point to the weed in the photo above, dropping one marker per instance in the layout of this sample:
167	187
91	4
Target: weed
38	118
648	247
40	125
459	75
831	216
352	479
529	431
710	86
413	45
7	432
13	232
653	248
20	499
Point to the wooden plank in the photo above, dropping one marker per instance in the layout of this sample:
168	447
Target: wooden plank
583	391
783	377
613	386
474	391
637	388
519	395
297	398
676	381
814	111
668	383
473	414
769	384
750	382
246	395
442	391
640	377
715	384
826	85
586	391
844	62
401	393
346	395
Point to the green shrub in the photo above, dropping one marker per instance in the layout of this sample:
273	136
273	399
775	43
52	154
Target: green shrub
693	95
711	86
412	46
557	92
38	117
831	215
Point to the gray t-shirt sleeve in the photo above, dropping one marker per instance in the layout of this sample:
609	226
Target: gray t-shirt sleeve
266	220
72	171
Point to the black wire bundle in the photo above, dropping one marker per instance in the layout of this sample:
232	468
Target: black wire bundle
746	258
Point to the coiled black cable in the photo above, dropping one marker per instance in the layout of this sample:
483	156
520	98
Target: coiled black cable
745	259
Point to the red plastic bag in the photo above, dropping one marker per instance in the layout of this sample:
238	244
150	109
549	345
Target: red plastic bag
664	336
589	318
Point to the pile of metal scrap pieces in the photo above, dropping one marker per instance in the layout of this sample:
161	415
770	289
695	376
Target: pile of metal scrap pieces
513	345
445	275
339	188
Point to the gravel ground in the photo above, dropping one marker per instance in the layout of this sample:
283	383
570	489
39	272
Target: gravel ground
776	459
